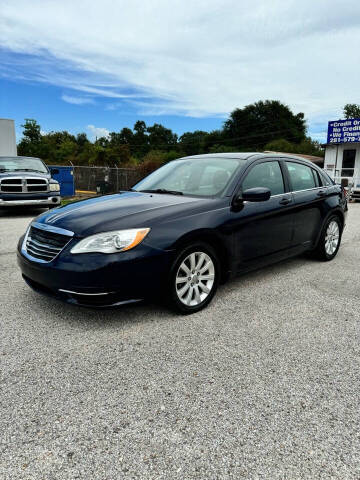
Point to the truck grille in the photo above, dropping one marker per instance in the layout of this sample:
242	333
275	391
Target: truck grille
45	245
23	185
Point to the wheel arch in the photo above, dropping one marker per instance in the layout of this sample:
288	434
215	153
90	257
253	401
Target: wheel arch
215	241
340	215
337	213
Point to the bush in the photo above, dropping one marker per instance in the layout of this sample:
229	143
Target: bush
222	149
305	147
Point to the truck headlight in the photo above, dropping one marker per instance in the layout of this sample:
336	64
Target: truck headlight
111	242
54	187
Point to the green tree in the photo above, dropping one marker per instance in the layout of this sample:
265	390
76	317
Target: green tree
125	137
30	143
66	152
118	154
98	155
85	154
253	126
306	147
193	143
215	137
141	139
58	148
161	138
103	142
280	145
32	130
222	149
81	140
352	110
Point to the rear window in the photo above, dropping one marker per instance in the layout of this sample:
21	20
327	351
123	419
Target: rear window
326	180
301	176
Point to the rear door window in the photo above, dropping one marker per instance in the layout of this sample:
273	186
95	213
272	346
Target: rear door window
326	180
316	177
301	177
268	175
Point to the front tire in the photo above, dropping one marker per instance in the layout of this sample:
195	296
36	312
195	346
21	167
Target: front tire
194	278
330	240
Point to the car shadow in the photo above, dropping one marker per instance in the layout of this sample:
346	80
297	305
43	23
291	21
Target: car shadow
100	318
147	311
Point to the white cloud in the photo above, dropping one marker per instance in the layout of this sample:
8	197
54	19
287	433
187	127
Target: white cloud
77	100
97	132
192	58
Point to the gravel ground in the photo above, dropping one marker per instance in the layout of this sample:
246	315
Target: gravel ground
263	384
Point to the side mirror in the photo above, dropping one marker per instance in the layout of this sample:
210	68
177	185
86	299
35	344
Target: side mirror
54	171
258	194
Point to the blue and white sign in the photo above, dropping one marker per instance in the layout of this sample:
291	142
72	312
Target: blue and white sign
344	131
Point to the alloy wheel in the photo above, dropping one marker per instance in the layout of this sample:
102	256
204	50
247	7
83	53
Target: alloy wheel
195	278
332	237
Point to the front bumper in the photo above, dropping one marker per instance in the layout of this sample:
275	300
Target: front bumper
99	280
38	200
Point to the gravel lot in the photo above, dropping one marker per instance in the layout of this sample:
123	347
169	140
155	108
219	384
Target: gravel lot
264	384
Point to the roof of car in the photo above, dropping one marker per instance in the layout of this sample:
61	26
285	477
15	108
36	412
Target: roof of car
240	155
250	156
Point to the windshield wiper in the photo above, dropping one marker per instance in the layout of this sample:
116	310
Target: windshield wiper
162	190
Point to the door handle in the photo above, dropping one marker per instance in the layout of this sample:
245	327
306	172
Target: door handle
285	201
321	193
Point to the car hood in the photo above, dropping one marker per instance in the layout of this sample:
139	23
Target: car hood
120	211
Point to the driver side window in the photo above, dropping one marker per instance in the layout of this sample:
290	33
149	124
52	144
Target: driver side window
268	175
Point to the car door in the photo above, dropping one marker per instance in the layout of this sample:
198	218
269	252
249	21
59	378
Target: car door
262	229
309	201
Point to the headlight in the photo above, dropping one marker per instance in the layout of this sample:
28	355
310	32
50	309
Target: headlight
54	187
111	242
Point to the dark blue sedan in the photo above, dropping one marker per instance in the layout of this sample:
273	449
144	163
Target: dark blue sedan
185	228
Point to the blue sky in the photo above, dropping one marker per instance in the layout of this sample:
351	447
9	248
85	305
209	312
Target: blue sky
97	67
54	109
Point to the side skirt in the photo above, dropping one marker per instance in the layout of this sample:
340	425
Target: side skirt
273	258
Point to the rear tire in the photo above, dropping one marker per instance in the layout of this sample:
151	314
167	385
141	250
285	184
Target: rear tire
330	240
194	278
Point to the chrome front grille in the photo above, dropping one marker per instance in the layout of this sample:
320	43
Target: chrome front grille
23	185
45	245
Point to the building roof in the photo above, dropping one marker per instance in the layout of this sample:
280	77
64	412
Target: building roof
339	143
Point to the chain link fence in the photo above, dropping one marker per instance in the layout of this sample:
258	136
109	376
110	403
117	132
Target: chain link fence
105	179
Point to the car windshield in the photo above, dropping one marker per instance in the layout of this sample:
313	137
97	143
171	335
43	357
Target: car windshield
17	164
204	177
